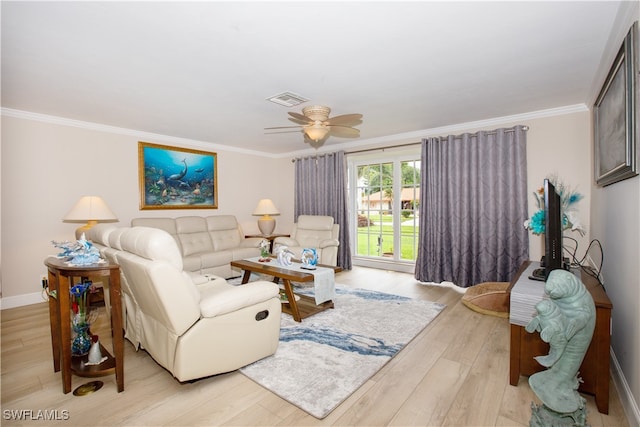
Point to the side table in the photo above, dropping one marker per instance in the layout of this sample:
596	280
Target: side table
60	282
270	238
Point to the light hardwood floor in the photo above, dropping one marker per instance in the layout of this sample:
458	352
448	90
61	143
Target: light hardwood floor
455	372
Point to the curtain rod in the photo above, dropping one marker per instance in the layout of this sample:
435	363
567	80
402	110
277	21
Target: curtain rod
492	132
409	144
383	148
360	151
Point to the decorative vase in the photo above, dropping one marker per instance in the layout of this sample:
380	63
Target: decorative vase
265	253
81	342
95	356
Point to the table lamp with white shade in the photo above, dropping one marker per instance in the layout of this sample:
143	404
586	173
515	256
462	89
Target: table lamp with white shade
90	209
266	224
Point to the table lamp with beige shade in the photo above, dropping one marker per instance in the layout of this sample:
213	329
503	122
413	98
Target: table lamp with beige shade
266	223
90	209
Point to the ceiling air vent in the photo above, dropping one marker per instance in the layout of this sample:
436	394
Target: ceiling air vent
288	99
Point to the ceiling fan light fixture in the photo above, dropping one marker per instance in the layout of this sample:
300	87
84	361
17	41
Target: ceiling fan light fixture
316	112
316	131
317	126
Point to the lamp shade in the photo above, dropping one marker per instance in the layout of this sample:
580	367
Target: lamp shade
266	207
90	209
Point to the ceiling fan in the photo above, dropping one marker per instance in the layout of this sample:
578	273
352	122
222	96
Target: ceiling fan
317	126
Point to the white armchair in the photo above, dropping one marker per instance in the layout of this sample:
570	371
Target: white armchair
313	231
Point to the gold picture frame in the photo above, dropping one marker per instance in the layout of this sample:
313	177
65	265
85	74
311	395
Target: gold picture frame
176	178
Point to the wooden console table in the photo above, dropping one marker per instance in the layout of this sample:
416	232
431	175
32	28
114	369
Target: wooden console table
594	370
60	282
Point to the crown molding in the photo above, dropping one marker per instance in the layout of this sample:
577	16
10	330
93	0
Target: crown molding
141	135
414	136
417	136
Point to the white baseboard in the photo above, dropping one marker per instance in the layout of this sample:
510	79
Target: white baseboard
627	400
21	300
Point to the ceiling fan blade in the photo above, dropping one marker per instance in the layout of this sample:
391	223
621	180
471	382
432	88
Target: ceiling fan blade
284	131
283	127
352	124
344	132
300	117
346	119
300	122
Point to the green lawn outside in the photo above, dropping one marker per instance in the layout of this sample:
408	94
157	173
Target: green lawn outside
367	241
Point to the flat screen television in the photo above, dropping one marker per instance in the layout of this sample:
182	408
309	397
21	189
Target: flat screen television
552	229
552	259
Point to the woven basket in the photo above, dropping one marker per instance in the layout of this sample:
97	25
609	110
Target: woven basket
488	298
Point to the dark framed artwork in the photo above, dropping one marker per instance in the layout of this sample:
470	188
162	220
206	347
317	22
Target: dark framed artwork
176	178
615	117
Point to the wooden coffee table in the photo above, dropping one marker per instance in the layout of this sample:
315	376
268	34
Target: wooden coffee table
305	306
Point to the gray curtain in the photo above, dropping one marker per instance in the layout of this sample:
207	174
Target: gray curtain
321	189
473	205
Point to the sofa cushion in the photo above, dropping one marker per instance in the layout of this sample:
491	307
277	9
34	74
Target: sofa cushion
166	224
152	244
315	222
221	222
100	233
311	238
223	298
224	232
193	235
225	239
192	263
312	229
215	259
244	253
115	238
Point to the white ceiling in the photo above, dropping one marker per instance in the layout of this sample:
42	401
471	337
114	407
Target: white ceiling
203	70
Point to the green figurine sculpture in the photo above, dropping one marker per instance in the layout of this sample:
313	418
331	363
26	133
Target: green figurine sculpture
566	321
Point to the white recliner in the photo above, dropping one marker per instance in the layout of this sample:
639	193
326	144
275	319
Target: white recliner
313	231
193	328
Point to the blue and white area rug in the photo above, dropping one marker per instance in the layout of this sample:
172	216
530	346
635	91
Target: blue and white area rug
324	359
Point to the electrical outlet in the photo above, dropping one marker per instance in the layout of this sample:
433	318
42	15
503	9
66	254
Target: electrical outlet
44	280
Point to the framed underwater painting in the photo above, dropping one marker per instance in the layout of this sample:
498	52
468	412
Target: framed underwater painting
176	178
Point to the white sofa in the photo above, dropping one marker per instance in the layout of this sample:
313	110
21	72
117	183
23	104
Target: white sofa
207	244
194	326
313	231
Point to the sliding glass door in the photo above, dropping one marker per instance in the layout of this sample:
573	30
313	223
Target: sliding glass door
384	195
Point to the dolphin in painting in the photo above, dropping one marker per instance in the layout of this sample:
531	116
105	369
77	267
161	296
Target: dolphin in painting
179	176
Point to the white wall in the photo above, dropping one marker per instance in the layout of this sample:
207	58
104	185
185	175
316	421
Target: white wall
561	146
615	222
616	215
46	167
